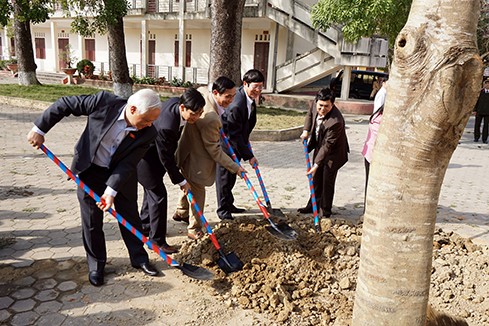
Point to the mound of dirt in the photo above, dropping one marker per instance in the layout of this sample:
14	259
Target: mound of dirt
312	280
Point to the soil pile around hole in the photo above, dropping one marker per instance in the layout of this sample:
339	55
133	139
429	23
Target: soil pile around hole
311	281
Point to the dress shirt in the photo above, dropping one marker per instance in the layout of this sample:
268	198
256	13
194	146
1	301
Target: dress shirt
250	103
220	109
319	120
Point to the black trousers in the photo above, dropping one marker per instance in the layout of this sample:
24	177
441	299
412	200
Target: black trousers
485	127
367	171
92	221
225	182
324	186
154	212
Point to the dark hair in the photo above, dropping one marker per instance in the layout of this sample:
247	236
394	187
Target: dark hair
222	84
325	95
253	76
192	99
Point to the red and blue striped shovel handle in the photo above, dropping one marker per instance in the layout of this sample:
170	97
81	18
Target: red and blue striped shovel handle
246	179
119	218
204	221
311	186
260	180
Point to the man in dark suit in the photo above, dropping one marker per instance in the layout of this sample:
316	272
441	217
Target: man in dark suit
117	135
160	158
481	111
326	127
238	122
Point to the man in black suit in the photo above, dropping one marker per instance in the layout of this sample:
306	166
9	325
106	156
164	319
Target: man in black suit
238	122
117	135
325	125
160	158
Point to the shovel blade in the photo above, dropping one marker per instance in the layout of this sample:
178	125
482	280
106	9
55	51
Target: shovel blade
275	211
230	263
196	272
282	231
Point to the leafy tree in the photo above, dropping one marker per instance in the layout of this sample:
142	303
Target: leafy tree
362	18
105	17
24	13
225	50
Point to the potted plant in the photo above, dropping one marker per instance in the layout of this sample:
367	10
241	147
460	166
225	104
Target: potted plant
85	67
12	65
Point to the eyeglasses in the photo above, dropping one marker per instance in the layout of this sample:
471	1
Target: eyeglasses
255	87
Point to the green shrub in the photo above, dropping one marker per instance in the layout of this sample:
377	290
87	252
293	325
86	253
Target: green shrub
85	67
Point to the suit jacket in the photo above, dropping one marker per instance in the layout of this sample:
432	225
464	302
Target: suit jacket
199	148
482	105
237	126
161	153
331	144
102	110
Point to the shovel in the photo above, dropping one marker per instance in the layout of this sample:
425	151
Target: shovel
192	271
228	263
282	230
311	188
276	212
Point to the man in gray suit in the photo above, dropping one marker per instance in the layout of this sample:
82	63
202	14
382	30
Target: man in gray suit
117	134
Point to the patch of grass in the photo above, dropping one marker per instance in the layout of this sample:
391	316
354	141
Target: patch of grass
48	93
30	209
270	118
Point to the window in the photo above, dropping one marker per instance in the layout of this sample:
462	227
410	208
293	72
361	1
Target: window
177	54
90	49
40	48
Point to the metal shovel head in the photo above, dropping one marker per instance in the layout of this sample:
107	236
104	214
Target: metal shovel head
230	263
196	272
275	211
282	231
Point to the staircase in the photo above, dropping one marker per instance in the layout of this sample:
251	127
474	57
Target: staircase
295	15
50	77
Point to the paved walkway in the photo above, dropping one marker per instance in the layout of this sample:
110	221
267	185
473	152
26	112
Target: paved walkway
42	266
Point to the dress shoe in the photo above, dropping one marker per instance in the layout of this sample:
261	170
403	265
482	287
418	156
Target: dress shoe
147	269
96	278
226	217
476	140
179	218
167	249
195	236
305	210
237	210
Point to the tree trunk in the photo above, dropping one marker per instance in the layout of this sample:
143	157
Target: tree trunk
118	60
23	48
433	86
226	22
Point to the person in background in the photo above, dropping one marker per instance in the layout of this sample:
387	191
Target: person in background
325	128
238	123
199	150
117	134
160	158
481	111
373	128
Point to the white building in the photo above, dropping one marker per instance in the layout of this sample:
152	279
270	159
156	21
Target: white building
170	38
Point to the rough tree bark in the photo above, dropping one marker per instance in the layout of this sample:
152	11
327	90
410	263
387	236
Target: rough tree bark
118	60
23	47
435	79
226	23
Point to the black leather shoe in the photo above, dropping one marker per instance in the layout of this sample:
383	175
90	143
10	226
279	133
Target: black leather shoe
237	210
226	217
305	210
147	269
96	278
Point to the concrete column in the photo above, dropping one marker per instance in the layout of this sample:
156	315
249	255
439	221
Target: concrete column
272	62
289	55
5	44
81	49
345	84
144	47
54	43
181	40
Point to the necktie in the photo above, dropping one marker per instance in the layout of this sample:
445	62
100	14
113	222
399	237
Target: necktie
253	105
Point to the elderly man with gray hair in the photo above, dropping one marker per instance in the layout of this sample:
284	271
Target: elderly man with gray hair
117	134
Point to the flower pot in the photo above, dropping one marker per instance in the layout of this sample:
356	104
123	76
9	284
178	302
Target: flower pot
12	67
69	72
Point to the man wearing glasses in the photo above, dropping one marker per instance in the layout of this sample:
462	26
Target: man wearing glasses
238	123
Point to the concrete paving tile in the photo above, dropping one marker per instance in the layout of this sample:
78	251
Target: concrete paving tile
45	274
4	315
23	305
48	307
51	319
5	302
23	293
47	295
67	286
44	254
23	263
25	281
45	284
25	318
21	244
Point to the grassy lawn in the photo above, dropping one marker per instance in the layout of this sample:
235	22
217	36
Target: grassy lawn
268	118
